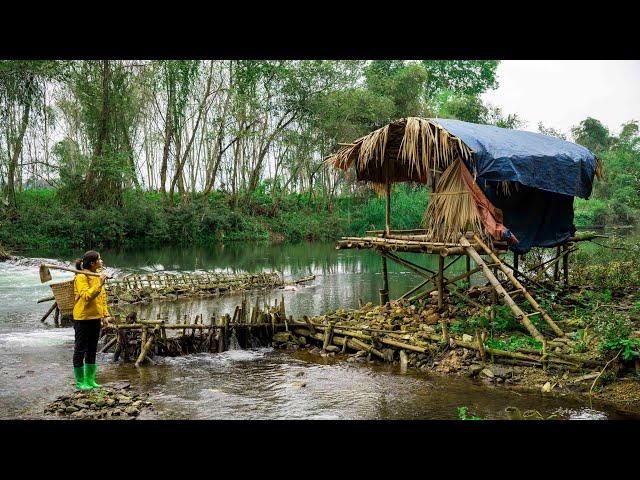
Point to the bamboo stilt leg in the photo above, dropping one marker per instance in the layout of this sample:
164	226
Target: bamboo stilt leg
384	291
388	209
440	281
565	264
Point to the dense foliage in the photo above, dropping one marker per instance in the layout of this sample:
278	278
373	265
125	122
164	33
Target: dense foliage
107	152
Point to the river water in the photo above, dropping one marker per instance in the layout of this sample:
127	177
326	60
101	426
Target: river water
35	358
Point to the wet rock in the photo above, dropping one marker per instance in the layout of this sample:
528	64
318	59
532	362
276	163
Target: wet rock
486	372
110	402
475	369
132	411
282	337
71	409
502	372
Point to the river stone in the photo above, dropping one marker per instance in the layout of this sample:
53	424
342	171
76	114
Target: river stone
502	372
123	400
137	403
475	369
487	373
71	409
282	337
131	411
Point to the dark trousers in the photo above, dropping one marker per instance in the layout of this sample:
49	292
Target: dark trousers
86	343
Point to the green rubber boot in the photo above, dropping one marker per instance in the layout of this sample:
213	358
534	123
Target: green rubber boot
78	373
90	375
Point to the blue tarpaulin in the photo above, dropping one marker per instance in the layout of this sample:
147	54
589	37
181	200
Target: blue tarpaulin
549	171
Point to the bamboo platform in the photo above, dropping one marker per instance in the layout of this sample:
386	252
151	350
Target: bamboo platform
507	284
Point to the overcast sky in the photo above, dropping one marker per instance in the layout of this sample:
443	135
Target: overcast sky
561	93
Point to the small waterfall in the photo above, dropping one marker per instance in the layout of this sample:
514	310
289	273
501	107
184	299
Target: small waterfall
233	341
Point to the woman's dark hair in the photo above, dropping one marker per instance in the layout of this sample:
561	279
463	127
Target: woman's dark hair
87	260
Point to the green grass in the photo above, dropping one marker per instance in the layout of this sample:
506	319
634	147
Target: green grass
48	220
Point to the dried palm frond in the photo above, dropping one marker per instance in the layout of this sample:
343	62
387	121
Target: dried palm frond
410	149
599	171
507	186
452	210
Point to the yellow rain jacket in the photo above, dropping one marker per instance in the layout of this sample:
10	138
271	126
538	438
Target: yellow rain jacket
90	297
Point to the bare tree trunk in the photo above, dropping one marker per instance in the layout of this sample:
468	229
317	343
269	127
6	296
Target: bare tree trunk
168	135
15	154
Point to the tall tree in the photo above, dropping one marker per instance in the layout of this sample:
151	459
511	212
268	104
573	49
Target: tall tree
22	87
591	133
458	77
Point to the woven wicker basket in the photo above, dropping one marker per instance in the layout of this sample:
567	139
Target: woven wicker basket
65	298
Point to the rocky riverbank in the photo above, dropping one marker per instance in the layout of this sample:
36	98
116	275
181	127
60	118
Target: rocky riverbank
114	400
413	337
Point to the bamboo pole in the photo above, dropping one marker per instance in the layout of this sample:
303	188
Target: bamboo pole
480	345
51	309
388	209
556	267
419	269
146	346
565	264
109	344
557	330
502	292
447	282
384	291
440	281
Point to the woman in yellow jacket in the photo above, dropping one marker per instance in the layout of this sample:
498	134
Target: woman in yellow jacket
90	313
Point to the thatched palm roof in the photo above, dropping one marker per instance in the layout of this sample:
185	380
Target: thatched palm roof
409	149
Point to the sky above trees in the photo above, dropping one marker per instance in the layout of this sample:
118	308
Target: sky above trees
561	93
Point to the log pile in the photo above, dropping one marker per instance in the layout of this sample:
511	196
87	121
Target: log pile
387	332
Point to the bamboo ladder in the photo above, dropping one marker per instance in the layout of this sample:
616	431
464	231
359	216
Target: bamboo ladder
519	288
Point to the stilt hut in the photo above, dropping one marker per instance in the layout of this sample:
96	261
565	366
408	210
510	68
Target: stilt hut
492	189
